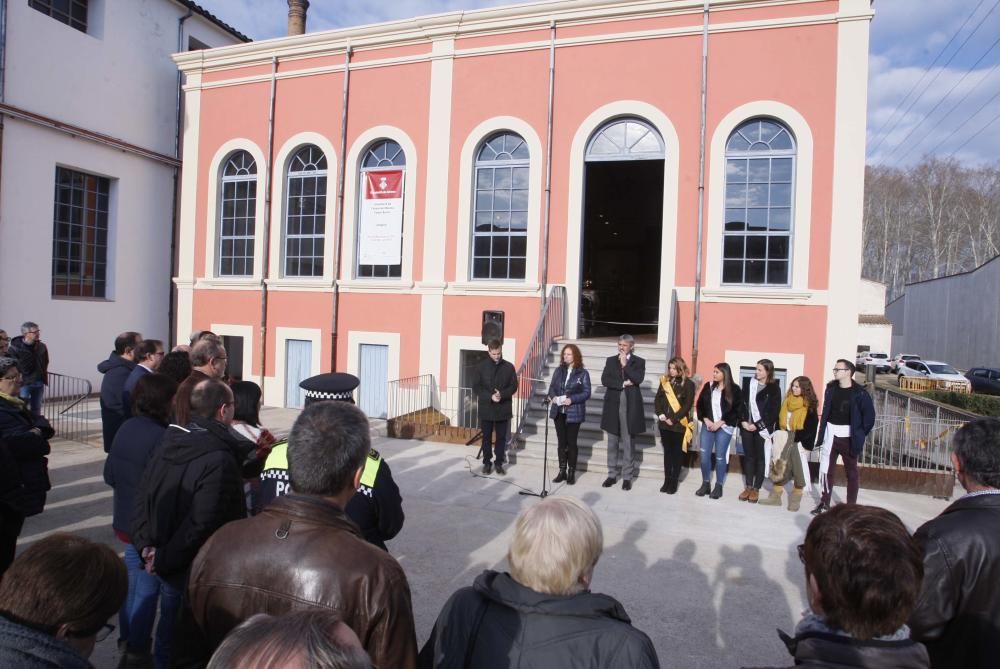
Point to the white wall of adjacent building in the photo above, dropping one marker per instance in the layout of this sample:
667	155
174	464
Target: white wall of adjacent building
118	80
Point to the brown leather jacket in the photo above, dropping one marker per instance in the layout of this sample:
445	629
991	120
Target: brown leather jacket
300	552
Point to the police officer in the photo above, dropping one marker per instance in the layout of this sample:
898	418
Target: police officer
377	508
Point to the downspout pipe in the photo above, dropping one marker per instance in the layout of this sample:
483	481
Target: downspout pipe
337	238
548	161
174	211
268	188
701	191
3	75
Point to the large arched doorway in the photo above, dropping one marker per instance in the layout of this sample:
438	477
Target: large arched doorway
622	229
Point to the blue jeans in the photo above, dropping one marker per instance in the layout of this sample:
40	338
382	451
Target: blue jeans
171	599
32	394
719	442
136	617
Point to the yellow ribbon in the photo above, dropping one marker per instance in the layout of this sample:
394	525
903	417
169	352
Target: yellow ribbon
675	406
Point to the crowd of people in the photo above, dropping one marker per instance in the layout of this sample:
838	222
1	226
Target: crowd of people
255	551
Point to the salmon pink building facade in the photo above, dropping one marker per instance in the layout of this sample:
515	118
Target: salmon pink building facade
355	199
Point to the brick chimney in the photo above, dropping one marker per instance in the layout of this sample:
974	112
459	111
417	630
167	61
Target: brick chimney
297	16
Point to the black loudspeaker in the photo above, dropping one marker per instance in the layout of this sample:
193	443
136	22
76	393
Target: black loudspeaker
492	326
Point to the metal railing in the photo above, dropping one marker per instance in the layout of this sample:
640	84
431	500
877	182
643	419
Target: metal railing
417	408
551	324
910	443
69	407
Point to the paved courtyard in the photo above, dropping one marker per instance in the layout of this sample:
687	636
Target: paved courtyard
709	581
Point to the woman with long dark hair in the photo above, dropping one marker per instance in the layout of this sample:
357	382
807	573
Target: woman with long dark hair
719	411
798	415
256	439
568	392
760	420
672	405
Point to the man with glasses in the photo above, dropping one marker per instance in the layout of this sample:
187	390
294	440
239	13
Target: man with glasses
116	370
148	356
33	360
848	417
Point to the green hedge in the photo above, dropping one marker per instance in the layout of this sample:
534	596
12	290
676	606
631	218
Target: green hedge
984	405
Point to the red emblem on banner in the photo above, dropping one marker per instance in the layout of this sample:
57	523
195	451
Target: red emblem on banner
383	185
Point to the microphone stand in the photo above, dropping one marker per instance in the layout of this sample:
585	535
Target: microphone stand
545	455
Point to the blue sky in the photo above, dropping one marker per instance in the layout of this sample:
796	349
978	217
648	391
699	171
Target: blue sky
934	73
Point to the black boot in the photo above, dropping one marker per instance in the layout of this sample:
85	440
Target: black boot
561	476
703	490
571	476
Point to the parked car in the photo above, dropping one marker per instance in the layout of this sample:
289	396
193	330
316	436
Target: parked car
932	369
984	380
901	358
880	360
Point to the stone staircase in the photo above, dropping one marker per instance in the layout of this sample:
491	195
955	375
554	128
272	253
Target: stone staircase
592	440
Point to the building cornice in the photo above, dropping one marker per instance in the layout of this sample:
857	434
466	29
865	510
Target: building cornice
495	20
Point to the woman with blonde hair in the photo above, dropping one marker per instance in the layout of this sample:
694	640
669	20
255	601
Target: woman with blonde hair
798	415
672	406
543	608
568	395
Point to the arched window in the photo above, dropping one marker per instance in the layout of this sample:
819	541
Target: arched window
625	139
760	171
500	227
238	216
305	213
380	211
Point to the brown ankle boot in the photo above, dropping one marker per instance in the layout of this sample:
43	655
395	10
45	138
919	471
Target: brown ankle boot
754	496
745	495
795	499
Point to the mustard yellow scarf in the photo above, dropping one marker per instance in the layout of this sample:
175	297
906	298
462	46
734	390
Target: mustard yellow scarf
16	401
798	408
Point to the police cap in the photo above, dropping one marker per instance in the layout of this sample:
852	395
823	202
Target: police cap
330	386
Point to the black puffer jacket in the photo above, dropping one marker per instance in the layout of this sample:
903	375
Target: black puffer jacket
32	360
191	488
499	623
28	446
958	615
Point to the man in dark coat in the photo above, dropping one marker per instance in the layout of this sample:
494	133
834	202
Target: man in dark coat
378	507
494	385
116	370
958	615
623	416
192	486
33	360
147	357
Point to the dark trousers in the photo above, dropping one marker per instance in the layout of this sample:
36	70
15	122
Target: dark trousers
673	455
11	523
502	430
566	434
842	447
753	458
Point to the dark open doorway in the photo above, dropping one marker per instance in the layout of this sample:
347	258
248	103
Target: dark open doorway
622	229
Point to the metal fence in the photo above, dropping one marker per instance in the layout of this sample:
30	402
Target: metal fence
69	407
551	324
417	408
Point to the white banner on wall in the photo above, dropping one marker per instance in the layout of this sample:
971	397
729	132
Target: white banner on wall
380	233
